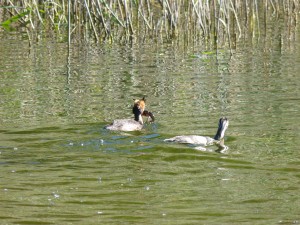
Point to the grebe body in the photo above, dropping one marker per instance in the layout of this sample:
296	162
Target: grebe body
135	124
125	125
202	140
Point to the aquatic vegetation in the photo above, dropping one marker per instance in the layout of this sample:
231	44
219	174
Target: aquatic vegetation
7	23
215	23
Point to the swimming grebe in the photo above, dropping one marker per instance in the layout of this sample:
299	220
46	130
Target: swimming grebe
204	141
138	110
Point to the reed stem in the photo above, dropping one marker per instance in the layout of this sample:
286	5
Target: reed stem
214	21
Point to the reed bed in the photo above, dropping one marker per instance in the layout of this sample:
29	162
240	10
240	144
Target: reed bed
217	22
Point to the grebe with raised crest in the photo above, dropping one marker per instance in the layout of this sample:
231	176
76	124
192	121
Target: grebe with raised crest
135	124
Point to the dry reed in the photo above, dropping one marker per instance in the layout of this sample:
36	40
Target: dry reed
218	22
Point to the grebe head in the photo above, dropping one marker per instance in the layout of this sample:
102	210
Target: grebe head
138	109
223	125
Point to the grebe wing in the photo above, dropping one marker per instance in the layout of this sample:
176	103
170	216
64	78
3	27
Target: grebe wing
192	139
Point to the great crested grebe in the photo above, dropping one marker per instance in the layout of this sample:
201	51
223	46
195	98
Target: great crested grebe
138	110
204	141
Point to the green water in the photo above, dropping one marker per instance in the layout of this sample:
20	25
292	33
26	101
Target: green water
59	166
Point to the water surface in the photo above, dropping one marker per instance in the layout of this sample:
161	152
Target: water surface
59	166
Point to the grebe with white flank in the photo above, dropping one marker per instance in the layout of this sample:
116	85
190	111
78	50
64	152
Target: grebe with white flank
202	140
137	123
